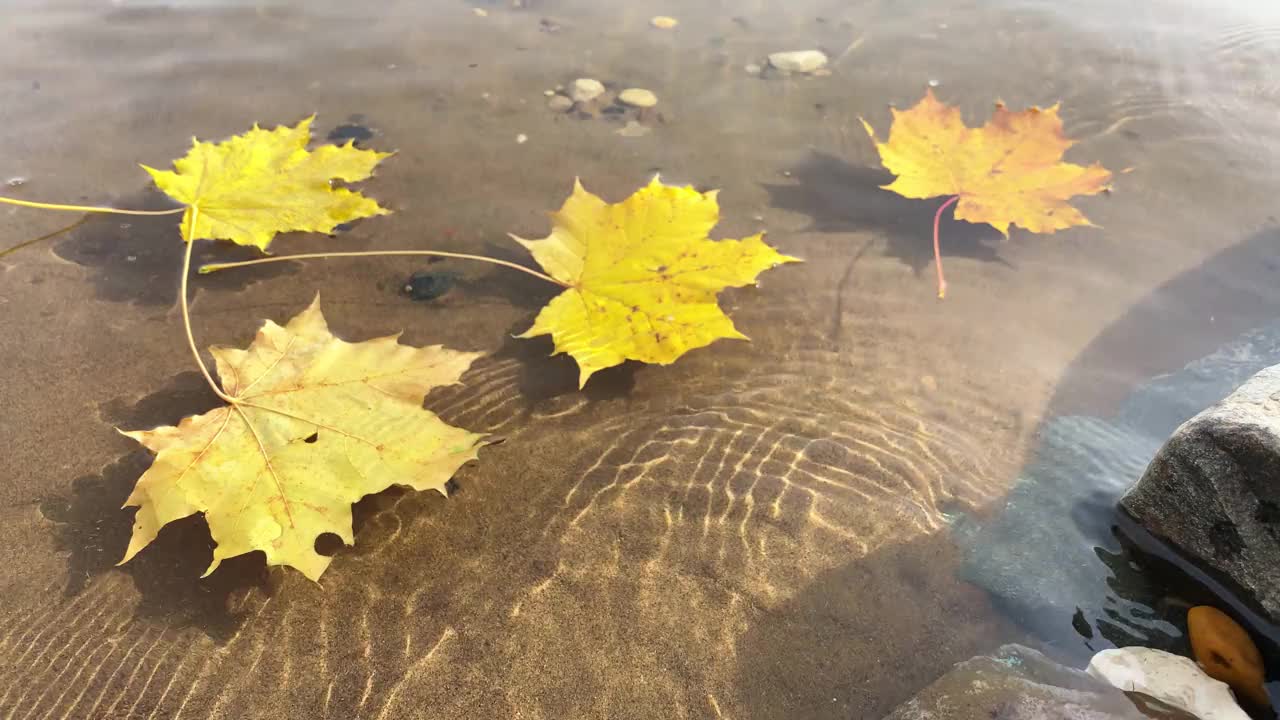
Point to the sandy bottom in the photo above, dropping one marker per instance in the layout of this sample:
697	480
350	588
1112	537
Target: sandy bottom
757	531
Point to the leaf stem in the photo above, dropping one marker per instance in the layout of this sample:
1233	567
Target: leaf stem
215	267
937	252
186	311
88	208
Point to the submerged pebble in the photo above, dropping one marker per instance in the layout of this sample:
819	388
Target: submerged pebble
798	61
350	132
662	22
430	284
584	90
633	129
559	103
638	97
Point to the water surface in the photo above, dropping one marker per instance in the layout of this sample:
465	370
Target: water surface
757	531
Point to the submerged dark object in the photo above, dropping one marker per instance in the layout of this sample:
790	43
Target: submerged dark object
430	284
350	132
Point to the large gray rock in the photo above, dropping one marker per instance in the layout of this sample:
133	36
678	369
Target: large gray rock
1048	557
1213	490
1017	683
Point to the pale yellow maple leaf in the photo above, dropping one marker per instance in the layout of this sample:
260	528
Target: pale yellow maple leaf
252	186
641	275
317	424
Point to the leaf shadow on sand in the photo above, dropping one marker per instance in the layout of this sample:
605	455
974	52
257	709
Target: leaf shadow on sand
542	375
90	526
136	259
92	529
839	197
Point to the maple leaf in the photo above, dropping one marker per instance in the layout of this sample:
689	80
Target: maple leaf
317	424
641	276
252	186
1009	171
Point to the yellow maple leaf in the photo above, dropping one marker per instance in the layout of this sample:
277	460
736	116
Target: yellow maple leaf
252	186
317	424
1009	171
641	276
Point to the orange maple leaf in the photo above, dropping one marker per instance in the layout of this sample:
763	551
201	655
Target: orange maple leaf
1009	171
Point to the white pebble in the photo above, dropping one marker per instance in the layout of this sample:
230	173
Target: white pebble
633	129
1174	679
799	61
584	90
522	139
637	97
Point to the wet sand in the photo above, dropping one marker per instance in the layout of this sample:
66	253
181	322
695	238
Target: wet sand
757	531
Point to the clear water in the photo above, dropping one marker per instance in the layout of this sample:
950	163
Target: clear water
761	530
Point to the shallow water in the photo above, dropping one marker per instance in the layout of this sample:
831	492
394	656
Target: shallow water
759	530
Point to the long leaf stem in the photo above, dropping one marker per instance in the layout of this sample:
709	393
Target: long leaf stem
215	267
87	208
186	311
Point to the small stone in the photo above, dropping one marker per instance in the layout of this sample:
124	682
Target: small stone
633	129
16	181
559	103
662	22
429	285
584	90
753	69
480	12
933	83
522	139
637	97
548	93
1171	678
1227	653
799	61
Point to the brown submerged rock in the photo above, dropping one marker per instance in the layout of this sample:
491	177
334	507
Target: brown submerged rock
1227	653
